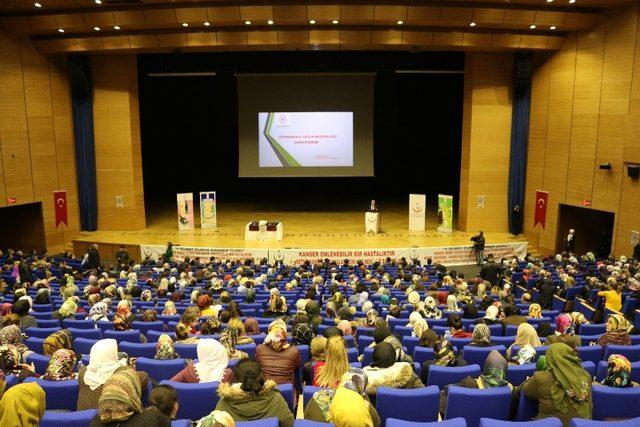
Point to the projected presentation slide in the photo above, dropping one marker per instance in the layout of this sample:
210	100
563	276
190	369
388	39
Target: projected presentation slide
309	139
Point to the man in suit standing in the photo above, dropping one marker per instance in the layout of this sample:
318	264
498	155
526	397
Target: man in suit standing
570	246
547	290
490	271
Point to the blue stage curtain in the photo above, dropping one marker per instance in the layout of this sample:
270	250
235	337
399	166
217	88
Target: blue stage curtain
519	140
82	107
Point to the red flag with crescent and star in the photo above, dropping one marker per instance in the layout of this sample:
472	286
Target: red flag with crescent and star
541	208
60	203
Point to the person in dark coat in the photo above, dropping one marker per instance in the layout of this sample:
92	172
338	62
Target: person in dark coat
547	291
94	257
490	271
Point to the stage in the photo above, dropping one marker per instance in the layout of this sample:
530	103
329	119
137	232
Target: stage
333	226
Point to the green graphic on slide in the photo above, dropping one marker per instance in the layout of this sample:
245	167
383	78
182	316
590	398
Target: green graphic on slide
283	155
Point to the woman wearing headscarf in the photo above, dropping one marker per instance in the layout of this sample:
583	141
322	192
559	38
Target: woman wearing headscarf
217	419
386	372
165	349
60	366
526	335
336	364
564	332
313	313
301	334
11	363
251	326
23	405
21	308
419	327
494	374
345	326
617	331
564	390
62	339
253	397
490	317
212	364
103	362
169	309
229	339
145	295
11	335
535	311
277	358
99	312
67	310
124	317
381	334
204	303
371	318
413	318
444	355
452	304
481	336
363	297
120	404
243	338
346	406
431	310
618	372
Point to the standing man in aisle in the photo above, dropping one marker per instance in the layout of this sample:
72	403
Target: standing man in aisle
478	245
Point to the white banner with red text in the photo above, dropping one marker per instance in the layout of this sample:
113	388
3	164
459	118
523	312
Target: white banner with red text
447	255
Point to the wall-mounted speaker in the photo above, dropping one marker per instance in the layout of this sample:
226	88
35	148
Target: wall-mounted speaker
605	166
633	171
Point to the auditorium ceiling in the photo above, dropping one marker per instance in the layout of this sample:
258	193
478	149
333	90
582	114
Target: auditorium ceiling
111	26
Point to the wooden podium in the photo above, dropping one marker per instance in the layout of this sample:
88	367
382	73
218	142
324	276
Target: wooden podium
372	222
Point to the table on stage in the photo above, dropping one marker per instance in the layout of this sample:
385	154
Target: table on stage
263	231
372	222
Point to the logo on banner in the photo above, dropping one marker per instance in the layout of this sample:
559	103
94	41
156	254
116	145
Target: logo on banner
60	204
540	216
284	119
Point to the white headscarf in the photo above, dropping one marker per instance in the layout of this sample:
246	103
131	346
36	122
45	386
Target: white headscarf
452	303
103	361
212	360
492	312
413	318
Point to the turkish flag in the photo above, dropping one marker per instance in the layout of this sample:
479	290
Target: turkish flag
60	203
541	208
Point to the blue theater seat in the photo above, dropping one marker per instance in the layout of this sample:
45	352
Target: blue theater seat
40	332
35	344
68	419
132	335
633	422
187	351
92	334
160	370
307	393
39	361
61	395
631	352
78	324
612	402
545	422
195	400
420	404
83	345
286	390
445	375
138	350
308	423
472	404
266	422
454	422
477	355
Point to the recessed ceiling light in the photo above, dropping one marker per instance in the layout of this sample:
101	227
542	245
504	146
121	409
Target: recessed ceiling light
206	23
532	26
185	24
549	1
36	4
313	21
553	27
400	22
572	1
473	24
116	27
98	1
335	21
247	22
61	30
96	28
270	22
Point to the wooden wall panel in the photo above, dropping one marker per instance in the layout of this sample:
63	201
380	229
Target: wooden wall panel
36	135
593	101
584	123
561	83
117	138
536	152
486	141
